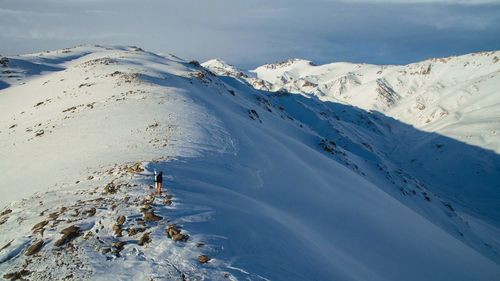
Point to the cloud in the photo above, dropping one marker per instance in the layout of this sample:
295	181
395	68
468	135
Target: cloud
249	33
452	2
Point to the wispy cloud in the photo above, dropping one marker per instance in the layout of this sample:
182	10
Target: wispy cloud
258	31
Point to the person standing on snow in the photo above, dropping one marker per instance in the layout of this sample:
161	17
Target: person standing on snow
155	177
159	182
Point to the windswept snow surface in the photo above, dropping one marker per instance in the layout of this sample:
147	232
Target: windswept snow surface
455	97
270	186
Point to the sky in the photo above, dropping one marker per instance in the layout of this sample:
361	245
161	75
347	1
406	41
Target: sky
249	33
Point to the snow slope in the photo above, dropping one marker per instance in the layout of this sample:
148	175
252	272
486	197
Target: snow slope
456	97
270	186
433	95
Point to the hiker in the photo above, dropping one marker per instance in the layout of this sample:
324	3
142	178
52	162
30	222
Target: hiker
155	176
159	182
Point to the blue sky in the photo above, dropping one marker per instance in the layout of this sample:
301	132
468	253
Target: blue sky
252	32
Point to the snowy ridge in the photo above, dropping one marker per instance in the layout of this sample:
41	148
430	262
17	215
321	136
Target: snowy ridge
422	94
456	97
261	185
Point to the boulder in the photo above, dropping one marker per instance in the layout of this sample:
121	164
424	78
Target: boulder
145	239
34	248
203	259
150	216
69	234
121	220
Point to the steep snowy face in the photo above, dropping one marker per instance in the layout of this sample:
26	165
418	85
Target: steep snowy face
107	102
434	95
452	98
259	185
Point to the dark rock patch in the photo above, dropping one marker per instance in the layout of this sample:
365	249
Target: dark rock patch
69	234
121	220
145	239
34	248
150	216
203	259
18	275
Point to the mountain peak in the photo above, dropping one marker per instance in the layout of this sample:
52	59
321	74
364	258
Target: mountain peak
288	63
220	67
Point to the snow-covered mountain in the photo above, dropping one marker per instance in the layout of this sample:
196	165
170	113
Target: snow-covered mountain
456	97
261	184
432	95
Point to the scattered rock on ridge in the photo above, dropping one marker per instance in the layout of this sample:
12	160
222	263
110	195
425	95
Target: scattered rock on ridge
69	234
34	248
203	259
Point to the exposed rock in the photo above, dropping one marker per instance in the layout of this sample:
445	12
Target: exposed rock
3	220
200	75
172	230
150	216
105	250
133	231
145	238
117	229
88	235
39	133
252	113
146	207
7	245
136	168
203	259
180	237
330	147
98	61
4	61
39	226
121	220
386	93
69	234
54	215
448	205
148	201
175	234
90	212
195	63
16	275
426	71
5	212
167	202
110	188
34	248
119	245
71	230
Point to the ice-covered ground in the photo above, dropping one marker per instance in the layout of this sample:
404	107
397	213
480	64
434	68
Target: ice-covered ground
262	185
